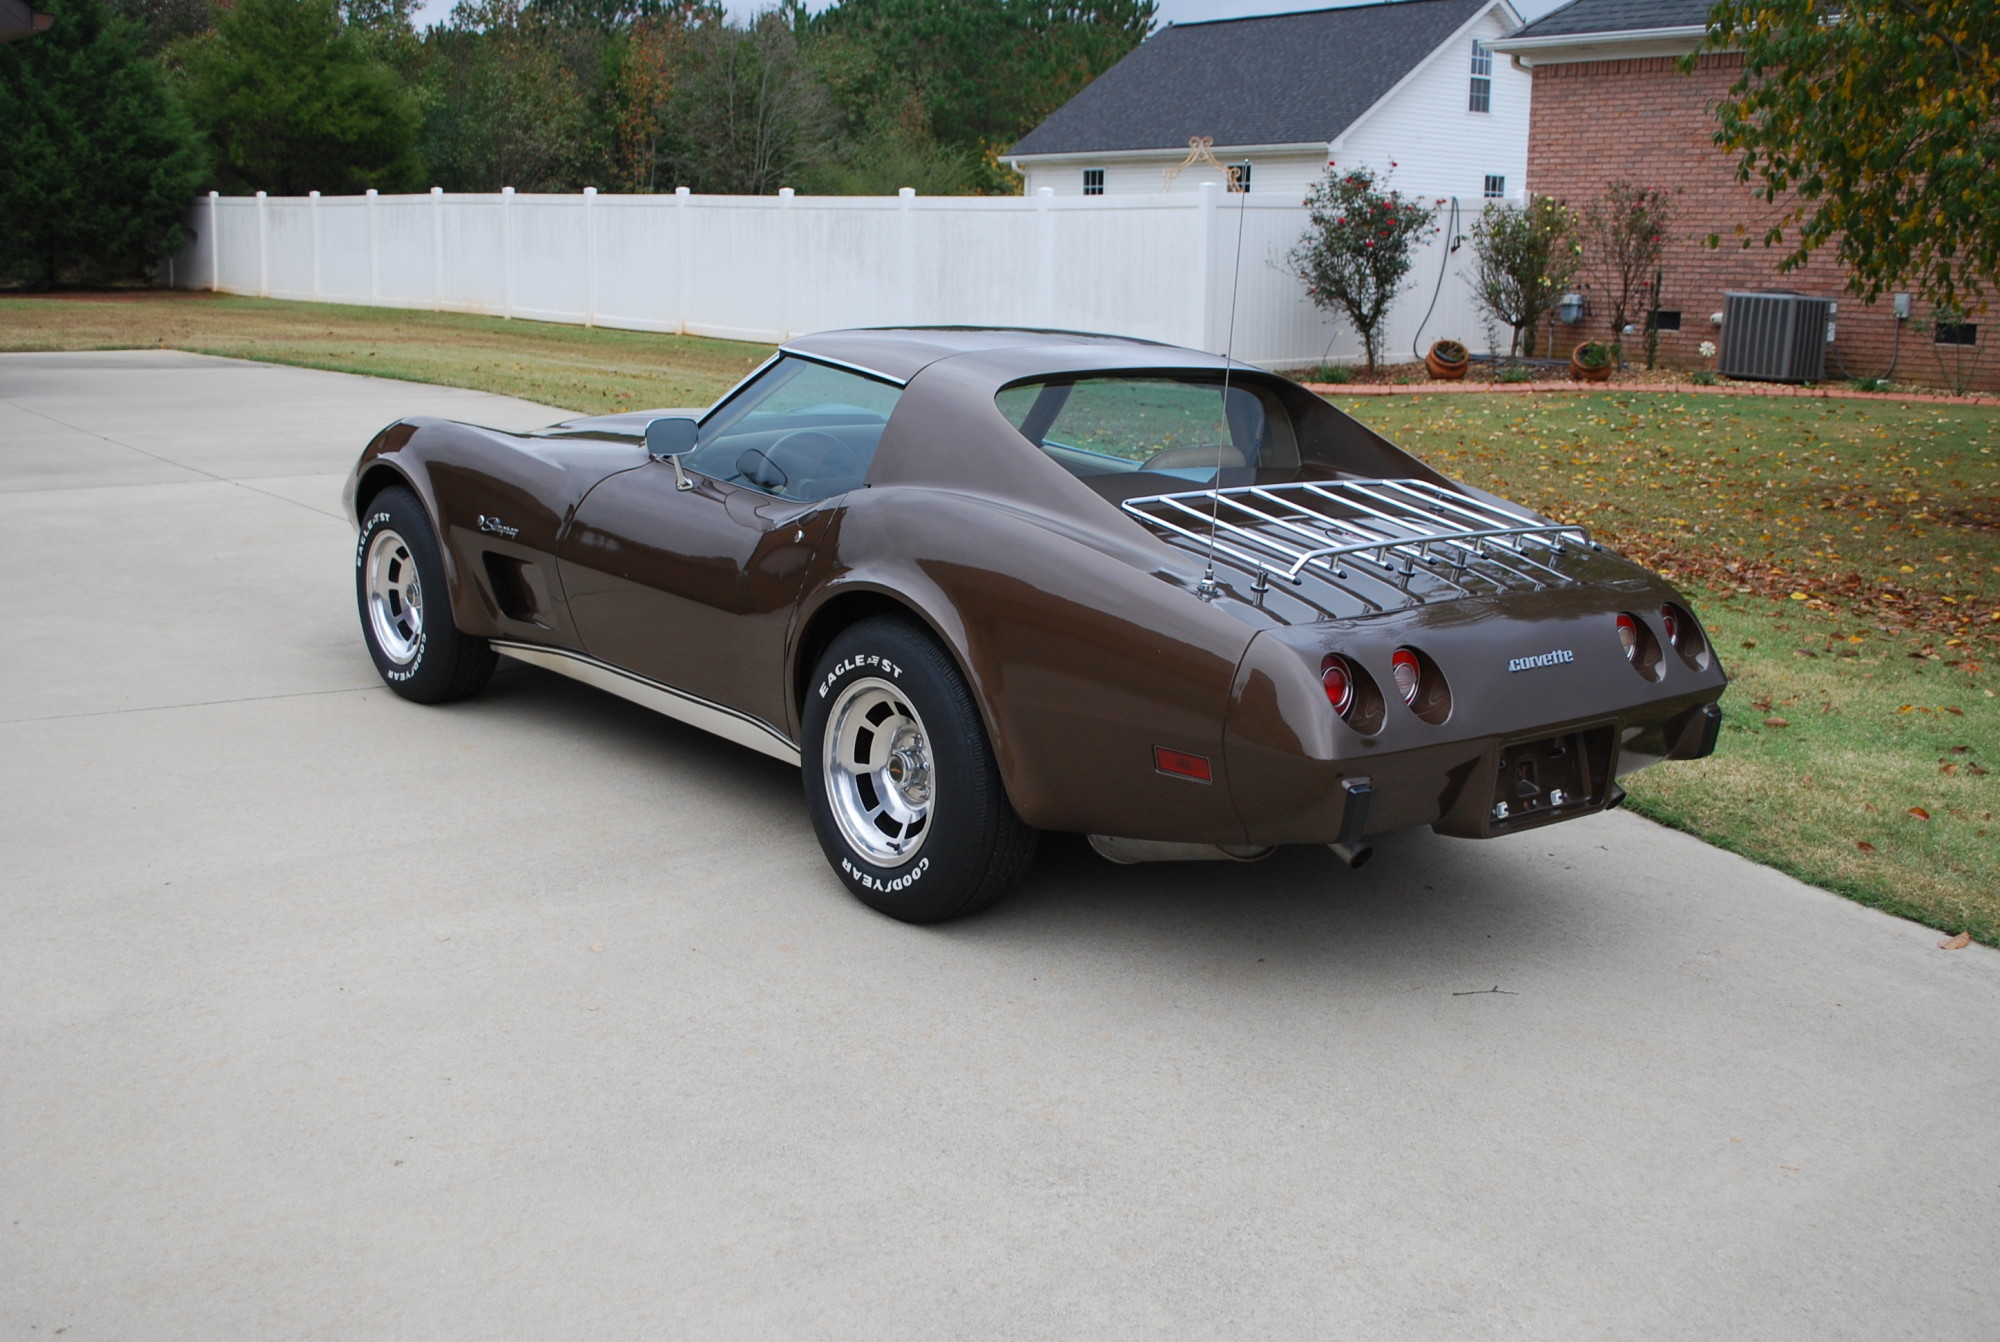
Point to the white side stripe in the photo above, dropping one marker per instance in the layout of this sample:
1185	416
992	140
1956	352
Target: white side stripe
692	709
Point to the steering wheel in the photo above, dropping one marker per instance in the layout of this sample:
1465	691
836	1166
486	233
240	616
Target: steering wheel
783	459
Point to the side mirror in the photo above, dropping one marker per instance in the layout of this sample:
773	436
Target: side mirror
669	440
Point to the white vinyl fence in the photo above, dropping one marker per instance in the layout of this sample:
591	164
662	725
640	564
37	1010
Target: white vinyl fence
766	268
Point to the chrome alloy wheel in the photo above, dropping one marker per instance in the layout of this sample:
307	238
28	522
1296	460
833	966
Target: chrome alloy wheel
395	599
879	782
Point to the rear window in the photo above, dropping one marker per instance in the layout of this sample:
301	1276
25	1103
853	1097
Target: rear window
1166	433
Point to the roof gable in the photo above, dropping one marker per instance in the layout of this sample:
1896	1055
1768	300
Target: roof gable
1275	79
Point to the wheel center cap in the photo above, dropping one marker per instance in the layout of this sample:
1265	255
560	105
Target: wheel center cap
910	772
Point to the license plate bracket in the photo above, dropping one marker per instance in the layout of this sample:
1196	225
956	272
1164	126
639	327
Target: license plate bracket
1551	777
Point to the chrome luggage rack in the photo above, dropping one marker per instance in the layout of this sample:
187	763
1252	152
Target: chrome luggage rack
1396	528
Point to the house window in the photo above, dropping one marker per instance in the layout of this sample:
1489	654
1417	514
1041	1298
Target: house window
1956	333
1481	99
1093	181
1664	320
1496	187
1239	176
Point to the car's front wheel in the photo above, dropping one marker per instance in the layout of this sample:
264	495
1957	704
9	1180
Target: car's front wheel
903	789
399	584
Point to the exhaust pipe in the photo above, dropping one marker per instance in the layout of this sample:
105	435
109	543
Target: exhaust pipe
1355	855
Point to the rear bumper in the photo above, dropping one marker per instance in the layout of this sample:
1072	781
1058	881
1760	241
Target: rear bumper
1546	775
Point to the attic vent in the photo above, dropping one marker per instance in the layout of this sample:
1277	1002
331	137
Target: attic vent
1774	337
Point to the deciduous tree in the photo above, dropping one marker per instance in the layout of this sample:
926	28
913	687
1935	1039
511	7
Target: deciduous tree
293	100
1625	232
1876	125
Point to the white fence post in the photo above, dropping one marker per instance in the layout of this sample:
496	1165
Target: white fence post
906	200
789	240
589	257
374	284
214	242
263	253
507	252
437	249
681	199
312	199
1204	250
1045	257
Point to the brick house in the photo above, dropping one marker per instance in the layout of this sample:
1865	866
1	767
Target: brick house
1610	105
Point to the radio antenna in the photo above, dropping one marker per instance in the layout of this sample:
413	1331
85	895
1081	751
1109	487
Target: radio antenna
1237	179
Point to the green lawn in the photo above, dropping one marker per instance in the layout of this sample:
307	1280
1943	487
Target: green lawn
577	368
1845	556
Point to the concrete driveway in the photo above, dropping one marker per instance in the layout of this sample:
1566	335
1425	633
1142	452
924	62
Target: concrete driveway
329	1016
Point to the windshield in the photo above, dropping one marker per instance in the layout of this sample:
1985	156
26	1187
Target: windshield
1164	433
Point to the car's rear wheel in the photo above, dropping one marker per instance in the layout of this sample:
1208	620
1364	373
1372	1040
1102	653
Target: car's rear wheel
901	782
399	585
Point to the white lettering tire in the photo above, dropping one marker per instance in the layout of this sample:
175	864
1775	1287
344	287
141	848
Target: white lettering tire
900	781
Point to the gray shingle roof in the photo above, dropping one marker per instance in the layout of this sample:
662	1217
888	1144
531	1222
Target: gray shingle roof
1277	79
1618	16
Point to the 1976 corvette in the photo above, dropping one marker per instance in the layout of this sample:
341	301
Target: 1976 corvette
984	583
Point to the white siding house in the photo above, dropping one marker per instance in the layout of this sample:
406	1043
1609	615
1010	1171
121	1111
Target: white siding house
1408	84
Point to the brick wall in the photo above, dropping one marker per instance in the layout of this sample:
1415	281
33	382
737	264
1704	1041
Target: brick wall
1644	122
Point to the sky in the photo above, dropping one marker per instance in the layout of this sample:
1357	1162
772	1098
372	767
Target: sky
1171	11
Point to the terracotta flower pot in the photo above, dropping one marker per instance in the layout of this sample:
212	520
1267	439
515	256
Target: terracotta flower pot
1584	372
1447	360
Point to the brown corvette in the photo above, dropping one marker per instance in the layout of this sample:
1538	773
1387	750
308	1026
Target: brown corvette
983	583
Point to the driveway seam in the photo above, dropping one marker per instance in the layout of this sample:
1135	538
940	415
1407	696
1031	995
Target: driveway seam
168	461
199	703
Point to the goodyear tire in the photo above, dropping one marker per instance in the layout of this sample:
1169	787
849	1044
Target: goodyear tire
399	585
901	782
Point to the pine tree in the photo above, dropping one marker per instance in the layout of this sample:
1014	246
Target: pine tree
101	160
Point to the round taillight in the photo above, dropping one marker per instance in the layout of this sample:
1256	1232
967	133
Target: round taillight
1628	637
1685	636
1408	673
1339	682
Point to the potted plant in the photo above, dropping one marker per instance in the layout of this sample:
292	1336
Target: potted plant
1447	360
1590	361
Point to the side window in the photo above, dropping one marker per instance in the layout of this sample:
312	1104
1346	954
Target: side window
1183	429
1093	181
801	431
1480	98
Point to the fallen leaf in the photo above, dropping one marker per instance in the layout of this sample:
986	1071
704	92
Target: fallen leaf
1957	943
1947	769
597	945
1977	771
1920	813
1776	722
1864	845
1955	712
1960	750
1799	596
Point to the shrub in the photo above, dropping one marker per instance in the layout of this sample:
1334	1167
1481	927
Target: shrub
100	160
1525	258
1593	354
1514	372
1627	231
1702	377
1356	250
